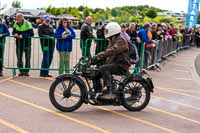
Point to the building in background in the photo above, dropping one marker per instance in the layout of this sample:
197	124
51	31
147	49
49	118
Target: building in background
35	16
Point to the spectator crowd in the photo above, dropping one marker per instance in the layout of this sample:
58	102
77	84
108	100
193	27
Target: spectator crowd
151	34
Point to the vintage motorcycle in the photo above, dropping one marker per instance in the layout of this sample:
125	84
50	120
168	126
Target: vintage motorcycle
69	91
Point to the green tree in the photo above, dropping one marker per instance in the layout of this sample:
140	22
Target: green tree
48	9
165	20
134	19
75	12
120	14
86	12
114	12
58	11
198	18
53	10
16	4
81	8
151	13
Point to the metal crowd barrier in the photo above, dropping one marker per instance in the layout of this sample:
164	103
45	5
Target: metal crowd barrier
33	54
163	49
148	58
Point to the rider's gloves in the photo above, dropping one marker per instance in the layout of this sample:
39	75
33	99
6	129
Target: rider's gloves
95	59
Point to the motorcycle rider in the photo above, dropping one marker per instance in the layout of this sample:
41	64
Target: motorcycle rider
116	55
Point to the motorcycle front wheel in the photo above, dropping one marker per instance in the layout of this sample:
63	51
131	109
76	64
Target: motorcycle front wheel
66	94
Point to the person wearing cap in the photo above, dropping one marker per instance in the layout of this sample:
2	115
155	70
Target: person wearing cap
23	31
46	32
65	35
3	33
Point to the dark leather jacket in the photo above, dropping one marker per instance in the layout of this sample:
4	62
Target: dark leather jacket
117	52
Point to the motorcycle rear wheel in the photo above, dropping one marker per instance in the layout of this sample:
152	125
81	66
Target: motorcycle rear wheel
132	94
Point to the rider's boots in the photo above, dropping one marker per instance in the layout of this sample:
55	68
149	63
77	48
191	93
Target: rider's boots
109	95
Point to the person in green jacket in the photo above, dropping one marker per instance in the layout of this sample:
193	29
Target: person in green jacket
23	31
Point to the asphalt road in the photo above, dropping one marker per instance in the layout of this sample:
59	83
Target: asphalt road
174	106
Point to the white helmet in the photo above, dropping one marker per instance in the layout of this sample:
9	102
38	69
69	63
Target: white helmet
112	29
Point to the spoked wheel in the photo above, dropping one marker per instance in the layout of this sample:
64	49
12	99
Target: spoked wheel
66	94
136	96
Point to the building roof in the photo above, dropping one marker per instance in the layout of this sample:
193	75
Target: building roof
13	11
68	16
40	15
25	14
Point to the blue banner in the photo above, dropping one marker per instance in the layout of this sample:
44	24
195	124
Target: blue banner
193	11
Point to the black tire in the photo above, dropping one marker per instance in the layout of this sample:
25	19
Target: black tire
144	104
59	106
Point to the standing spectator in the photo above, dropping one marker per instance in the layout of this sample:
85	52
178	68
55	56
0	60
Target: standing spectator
160	38
186	37
86	33
179	37
65	33
7	21
45	31
156	49
154	32
133	52
3	33
22	31
132	32
197	37
146	37
103	43
173	32
124	34
160	33
144	34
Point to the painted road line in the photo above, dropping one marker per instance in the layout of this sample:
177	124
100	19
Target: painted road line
179	70
55	113
42	78
179	93
175	115
114	112
30	86
12	126
162	98
187	79
4	80
186	91
180	65
44	90
178	103
137	119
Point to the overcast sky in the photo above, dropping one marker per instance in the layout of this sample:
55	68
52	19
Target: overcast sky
172	5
